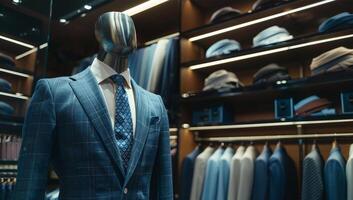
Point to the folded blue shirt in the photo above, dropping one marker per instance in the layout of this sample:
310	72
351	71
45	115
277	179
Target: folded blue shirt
340	21
271	35
6	109
305	101
223	47
5	86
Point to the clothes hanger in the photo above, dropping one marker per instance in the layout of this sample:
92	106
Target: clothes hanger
314	146
334	143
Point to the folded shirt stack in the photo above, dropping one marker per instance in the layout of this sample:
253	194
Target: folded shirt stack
337	59
264	4
5	86
314	106
6	60
341	21
223	47
223	14
271	35
270	74
6	109
222	81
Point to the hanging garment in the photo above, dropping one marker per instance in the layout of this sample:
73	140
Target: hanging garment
261	179
313	182
221	80
209	191
235	173
335	176
199	173
224	171
224	14
247	164
223	47
338	22
187	174
282	176
349	173
271	35
338	59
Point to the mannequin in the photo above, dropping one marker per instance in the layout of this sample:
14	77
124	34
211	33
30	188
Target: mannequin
70	125
116	35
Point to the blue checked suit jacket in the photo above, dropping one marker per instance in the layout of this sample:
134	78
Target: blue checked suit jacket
68	125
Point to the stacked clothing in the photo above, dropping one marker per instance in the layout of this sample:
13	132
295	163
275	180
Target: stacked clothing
224	14
271	35
223	47
314	106
6	109
6	60
337	59
264	4
5	86
222	81
270	74
338	22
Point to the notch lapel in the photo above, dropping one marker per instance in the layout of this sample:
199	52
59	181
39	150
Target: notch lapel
143	118
89	95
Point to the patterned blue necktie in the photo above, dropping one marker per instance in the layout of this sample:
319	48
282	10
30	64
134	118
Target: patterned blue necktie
123	121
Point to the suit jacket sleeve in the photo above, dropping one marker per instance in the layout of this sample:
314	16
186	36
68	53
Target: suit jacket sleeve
36	145
162	181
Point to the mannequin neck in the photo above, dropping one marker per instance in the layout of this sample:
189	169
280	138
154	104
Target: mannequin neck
118	63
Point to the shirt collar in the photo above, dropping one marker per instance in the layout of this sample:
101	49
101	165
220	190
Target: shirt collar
102	72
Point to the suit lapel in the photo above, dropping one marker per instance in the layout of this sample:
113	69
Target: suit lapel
143	117
89	95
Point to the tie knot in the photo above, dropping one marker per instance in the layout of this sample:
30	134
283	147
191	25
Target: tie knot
118	79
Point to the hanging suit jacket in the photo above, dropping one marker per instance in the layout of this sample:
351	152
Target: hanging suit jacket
68	125
209	190
260	185
234	176
313	180
187	174
335	176
282	176
246	174
349	173
223	180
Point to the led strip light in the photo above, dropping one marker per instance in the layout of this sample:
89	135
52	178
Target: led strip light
18	96
15	73
31	47
164	37
144	6
239	26
267	52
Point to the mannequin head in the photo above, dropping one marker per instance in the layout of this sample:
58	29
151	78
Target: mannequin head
116	34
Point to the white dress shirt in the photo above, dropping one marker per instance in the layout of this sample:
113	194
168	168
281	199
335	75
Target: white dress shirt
102	72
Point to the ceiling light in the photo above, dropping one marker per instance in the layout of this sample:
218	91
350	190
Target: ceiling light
63	21
87	7
2	15
267	52
17	1
144	6
16	42
83	15
256	21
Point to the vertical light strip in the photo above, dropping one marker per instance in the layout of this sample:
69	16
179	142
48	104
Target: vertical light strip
144	6
262	53
278	15
164	37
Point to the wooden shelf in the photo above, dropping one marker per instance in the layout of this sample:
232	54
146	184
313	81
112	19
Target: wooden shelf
15	71
300	46
337	119
306	14
324	83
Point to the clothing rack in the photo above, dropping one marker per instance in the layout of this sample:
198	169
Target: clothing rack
271	137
